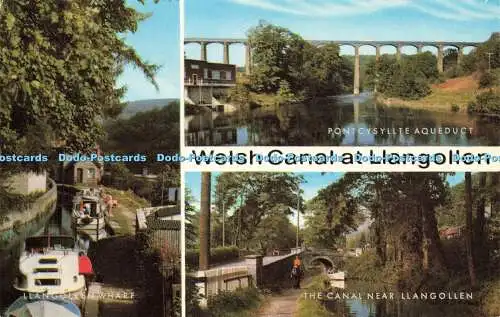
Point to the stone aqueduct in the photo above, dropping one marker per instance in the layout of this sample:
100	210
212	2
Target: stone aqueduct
419	45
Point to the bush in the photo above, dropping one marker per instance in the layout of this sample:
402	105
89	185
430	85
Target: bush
487	79
217	255
228	303
455	107
486	102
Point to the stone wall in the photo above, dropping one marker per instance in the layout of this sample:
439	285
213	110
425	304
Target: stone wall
278	273
19	220
27	183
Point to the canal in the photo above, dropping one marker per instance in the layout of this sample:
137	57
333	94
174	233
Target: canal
57	223
365	304
351	120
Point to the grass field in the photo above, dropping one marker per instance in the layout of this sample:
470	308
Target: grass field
455	92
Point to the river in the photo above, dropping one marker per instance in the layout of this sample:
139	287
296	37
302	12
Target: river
57	223
366	304
344	121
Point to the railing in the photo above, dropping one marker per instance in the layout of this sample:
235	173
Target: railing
208	82
226	279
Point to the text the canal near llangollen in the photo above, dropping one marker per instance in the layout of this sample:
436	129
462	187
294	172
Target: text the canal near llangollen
363	299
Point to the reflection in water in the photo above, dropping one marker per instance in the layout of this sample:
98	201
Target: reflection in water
364	307
348	119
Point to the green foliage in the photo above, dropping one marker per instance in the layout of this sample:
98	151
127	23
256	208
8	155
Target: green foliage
154	131
281	56
230	304
407	79
55	78
455	107
252	197
218	255
330	215
486	102
488	79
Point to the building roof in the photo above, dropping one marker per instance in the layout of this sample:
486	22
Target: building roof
207	62
168	211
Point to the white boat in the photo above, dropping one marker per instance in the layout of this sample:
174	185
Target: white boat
88	214
49	265
337	276
25	307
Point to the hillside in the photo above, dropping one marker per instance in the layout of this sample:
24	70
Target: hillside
134	107
455	92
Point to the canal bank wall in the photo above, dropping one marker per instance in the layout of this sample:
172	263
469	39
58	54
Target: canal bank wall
27	217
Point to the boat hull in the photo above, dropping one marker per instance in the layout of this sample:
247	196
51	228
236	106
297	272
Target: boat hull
338	276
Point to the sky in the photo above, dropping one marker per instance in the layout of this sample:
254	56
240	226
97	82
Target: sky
158	41
314	181
425	20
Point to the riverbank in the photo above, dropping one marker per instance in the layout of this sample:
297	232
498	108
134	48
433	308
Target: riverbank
454	95
310	306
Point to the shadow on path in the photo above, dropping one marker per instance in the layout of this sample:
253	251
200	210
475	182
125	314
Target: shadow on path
284	304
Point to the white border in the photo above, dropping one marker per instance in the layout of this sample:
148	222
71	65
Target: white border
363	166
181	127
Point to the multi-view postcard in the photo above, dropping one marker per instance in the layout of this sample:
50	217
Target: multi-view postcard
320	72
109	110
89	222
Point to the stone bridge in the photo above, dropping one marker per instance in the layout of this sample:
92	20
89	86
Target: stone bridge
419	45
326	257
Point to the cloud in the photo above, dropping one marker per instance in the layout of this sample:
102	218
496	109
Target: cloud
444	9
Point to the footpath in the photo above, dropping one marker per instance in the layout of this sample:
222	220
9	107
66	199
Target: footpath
285	304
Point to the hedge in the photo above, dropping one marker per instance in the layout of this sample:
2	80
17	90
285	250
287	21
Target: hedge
217	255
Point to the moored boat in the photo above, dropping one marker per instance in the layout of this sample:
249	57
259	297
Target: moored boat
337	276
26	307
49	265
88	214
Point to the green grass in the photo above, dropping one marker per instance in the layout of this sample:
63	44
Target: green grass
243	302
124	214
312	307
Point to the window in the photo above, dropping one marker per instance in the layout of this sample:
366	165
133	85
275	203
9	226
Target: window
205	73
91	173
216	74
228	75
48	282
195	66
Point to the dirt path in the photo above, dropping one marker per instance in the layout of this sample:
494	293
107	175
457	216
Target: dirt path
284	304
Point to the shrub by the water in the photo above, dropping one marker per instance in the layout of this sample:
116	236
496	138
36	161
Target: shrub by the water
486	102
487	79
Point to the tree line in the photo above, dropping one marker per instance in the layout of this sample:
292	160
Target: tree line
407	212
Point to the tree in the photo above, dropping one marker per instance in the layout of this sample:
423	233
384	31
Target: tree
276	54
59	63
249	198
468	229
286	64
204	261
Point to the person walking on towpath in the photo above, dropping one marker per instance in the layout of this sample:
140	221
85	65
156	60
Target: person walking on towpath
296	273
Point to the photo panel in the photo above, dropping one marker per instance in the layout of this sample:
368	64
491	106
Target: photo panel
342	244
327	73
90	221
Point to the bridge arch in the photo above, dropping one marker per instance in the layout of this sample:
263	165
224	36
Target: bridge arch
326	261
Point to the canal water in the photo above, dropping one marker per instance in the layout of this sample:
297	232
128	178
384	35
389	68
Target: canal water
365	306
346	120
57	223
